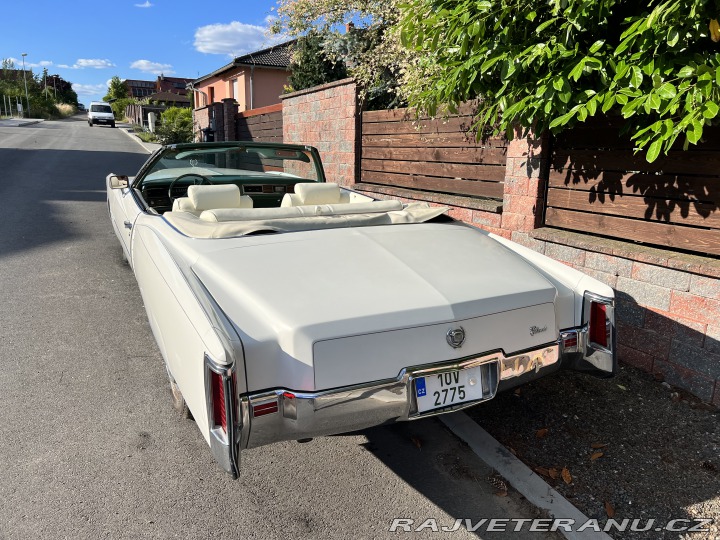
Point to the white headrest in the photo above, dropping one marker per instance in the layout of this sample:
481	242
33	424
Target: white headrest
318	193
216	196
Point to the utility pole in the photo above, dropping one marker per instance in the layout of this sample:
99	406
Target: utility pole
27	99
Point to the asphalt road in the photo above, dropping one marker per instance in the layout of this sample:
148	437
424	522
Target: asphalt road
90	446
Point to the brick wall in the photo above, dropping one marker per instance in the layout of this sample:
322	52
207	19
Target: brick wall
326	117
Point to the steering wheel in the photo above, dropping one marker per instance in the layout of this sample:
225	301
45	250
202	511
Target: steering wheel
198	180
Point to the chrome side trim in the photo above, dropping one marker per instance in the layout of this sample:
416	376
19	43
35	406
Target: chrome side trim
311	414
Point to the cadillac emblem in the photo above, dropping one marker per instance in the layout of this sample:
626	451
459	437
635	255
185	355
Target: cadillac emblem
455	337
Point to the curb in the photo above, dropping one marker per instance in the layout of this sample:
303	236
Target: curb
519	475
148	147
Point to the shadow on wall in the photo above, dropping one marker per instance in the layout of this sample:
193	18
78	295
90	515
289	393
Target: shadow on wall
685	356
596	182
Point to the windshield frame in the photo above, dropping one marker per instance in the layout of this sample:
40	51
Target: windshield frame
149	165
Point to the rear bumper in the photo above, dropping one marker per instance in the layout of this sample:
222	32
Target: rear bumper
280	414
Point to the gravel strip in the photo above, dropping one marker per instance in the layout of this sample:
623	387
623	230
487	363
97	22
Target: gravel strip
634	447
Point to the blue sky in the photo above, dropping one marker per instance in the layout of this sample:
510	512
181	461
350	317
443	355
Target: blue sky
87	42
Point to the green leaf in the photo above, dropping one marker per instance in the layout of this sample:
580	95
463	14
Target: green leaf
686	71
621	99
653	102
558	84
530	16
694	134
717	76
667	91
654	150
544	25
673	37
595	47
711	110
608	103
636	77
592	106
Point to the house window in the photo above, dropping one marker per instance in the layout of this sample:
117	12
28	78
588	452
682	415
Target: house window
234	88
211	94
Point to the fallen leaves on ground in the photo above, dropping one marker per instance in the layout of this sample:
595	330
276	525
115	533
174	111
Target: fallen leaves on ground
609	509
554	473
596	455
416	442
540	433
542	471
598	445
566	476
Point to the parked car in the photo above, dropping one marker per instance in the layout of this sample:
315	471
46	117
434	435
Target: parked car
287	308
81	107
100	113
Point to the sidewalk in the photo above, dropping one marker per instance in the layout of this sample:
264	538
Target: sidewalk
19	122
149	147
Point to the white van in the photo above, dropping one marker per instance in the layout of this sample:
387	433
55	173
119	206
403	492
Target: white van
100	112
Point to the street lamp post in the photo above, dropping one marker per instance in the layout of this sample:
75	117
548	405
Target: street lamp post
27	100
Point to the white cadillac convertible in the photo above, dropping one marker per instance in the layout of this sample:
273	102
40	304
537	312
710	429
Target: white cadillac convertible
287	308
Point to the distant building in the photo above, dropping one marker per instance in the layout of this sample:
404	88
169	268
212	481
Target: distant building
140	89
253	80
169	99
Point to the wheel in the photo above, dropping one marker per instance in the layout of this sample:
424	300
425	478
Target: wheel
90	123
198	180
178	400
112	125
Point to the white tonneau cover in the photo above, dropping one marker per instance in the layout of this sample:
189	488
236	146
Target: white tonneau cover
231	222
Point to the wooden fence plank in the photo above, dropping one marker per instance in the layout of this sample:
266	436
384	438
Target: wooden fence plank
474	188
425	140
494	156
452	125
696	188
696	162
453	170
399	115
671	236
638	207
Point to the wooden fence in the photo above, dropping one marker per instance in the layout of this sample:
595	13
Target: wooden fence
430	154
598	185
264	124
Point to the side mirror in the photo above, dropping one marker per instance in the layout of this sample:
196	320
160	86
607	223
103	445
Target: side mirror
118	181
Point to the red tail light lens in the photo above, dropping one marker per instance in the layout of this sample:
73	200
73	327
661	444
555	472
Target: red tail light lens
218	400
598	324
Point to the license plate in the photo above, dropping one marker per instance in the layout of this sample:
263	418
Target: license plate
449	388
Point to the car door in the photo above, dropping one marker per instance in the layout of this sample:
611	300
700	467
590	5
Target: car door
124	210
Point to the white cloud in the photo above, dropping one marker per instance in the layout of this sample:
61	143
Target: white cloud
155	68
233	39
145	4
30	65
89	89
93	63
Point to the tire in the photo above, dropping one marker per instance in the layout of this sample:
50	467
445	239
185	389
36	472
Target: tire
112	125
90	124
178	400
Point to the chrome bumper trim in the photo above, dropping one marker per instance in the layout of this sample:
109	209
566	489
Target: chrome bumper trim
303	414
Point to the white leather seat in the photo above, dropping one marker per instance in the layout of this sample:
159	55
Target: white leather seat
201	198
315	193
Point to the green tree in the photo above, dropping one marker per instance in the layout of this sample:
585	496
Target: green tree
176	125
371	51
310	64
551	64
116	89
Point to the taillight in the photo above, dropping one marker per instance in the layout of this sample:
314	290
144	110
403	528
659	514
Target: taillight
218	400
598	324
262	409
